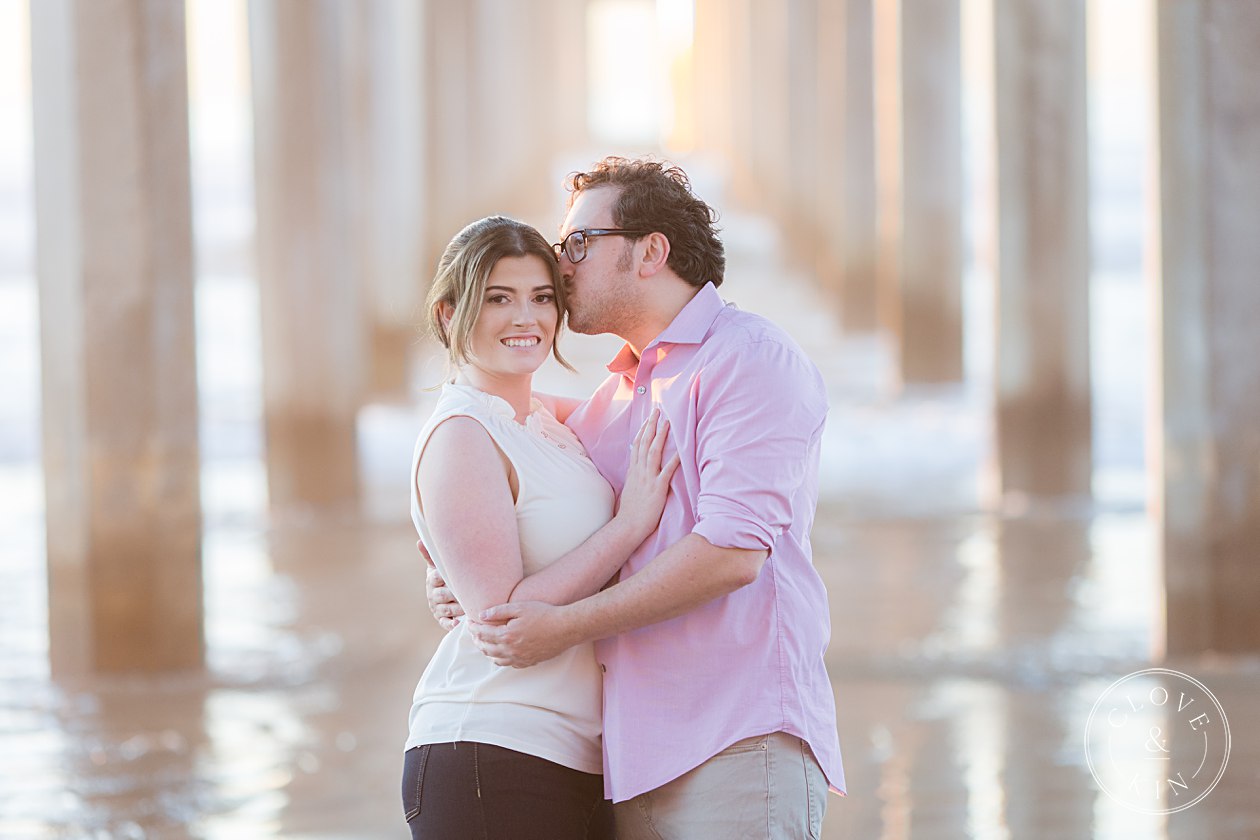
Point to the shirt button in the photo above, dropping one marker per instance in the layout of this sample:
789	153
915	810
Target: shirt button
603	667
640	390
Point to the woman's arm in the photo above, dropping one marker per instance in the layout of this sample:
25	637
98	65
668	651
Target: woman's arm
585	570
466	496
463	479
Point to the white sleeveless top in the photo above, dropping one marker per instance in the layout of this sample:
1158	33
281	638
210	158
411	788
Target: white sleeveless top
552	710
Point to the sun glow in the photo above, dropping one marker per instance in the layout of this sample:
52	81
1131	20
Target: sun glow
638	63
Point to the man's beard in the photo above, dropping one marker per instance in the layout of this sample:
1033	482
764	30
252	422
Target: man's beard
580	325
602	310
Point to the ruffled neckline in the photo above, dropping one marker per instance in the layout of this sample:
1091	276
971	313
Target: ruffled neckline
538	422
500	406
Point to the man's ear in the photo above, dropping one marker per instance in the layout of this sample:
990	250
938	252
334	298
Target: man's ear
655	254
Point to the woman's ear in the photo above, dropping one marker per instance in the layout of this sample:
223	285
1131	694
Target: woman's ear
445	313
655	254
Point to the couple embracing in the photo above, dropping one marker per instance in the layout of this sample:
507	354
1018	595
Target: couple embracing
642	653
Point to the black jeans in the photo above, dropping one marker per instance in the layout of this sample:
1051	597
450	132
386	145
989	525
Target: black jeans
483	792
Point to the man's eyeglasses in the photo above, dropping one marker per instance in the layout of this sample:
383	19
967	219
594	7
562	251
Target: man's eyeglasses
574	245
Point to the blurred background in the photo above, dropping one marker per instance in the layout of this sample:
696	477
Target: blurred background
1017	236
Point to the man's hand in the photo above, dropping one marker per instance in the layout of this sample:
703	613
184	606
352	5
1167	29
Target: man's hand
442	601
522	634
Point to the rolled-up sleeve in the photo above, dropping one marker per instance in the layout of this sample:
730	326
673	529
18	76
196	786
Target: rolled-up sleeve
761	410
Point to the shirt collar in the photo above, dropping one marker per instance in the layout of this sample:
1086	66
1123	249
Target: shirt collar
689	326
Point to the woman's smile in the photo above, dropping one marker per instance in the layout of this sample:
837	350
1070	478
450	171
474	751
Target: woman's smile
518	319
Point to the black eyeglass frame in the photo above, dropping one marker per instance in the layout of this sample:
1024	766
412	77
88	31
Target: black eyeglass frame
562	247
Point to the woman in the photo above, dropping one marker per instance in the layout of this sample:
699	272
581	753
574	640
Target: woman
510	508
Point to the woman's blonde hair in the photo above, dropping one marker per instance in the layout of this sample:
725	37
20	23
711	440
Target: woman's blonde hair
464	269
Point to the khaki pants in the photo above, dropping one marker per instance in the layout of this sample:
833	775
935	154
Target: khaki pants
765	788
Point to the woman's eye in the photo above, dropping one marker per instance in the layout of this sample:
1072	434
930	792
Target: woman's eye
544	298
497	299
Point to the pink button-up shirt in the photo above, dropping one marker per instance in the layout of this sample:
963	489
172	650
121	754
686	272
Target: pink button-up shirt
746	411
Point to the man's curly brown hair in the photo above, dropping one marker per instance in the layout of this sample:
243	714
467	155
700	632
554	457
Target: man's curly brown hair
657	197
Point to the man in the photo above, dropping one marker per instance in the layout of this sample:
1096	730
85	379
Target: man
719	719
